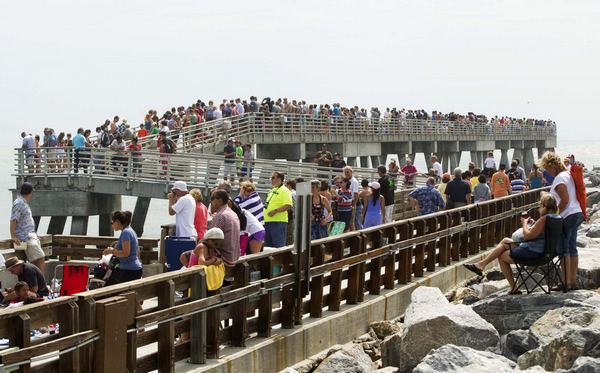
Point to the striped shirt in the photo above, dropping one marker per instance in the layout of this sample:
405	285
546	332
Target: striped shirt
252	203
517	185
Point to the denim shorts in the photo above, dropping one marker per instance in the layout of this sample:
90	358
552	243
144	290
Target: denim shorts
523	252
570	225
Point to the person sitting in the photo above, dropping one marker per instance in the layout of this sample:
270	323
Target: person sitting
28	273
532	248
22	292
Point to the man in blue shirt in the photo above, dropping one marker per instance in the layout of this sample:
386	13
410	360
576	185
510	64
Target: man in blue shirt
22	227
78	145
29	149
427	199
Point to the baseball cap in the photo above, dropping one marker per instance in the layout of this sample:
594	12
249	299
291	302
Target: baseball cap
374	185
446	175
180	185
26	188
502	166
214	234
231	139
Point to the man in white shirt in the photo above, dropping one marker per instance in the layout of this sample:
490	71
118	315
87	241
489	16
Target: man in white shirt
239	107
183	205
437	168
489	165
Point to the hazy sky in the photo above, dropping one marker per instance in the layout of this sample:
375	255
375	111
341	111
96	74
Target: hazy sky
67	64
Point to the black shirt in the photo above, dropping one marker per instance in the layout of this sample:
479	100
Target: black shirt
387	189
33	277
338	163
229	149
458	189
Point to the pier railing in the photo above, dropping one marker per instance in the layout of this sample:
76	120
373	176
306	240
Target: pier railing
197	169
269	291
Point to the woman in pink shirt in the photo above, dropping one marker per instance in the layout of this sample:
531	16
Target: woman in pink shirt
201	217
409	171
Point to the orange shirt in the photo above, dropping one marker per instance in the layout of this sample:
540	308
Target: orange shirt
142	133
500	184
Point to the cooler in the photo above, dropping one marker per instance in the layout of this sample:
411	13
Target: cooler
174	247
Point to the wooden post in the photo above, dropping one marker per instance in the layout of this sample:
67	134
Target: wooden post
132	305
389	277
474	232
316	283
198	321
68	319
443	242
420	249
375	270
166	330
404	272
431	224
287	296
335	278
265	304
87	321
240	308
362	268
109	350
213	321
20	336
455	237
483	231
353	272
464	236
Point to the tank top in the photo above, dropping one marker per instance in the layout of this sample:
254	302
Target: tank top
373	211
317	209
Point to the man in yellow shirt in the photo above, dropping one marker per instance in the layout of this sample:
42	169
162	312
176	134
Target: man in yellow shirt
278	202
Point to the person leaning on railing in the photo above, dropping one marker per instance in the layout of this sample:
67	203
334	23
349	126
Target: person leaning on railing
278	202
526	250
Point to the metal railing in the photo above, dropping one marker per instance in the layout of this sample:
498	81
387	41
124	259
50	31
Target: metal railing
215	131
197	169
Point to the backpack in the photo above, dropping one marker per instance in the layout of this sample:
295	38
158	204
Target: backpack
169	146
106	139
577	175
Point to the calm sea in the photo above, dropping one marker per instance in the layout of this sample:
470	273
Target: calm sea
585	151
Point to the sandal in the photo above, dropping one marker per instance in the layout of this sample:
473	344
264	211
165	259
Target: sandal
473	268
558	288
515	292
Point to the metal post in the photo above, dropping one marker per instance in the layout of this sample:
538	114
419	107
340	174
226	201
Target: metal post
301	245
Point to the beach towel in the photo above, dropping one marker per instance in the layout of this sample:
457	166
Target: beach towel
577	174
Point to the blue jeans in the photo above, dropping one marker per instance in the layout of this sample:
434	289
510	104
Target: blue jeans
358	217
317	230
275	234
570	225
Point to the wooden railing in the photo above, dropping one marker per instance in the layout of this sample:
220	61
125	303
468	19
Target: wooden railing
265	291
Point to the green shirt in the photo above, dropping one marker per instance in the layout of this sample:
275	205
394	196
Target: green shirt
277	197
154	131
239	151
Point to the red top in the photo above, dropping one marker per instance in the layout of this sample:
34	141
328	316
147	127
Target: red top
200	220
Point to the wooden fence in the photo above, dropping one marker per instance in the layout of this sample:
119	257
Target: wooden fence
266	292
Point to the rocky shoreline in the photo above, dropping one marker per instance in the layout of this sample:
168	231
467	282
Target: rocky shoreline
478	327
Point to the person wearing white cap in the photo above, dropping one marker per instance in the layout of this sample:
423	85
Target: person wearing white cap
183	205
374	207
205	252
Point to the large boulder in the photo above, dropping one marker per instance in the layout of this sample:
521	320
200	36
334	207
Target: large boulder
588	273
455	359
488	288
430	321
564	334
385	328
351	358
593	197
516	343
584	364
511	312
593	230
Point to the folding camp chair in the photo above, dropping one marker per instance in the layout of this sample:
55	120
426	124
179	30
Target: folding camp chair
548	263
74	279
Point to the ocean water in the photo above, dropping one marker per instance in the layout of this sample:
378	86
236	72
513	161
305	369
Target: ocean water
584	151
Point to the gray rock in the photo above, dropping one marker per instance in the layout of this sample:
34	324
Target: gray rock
387	370
594	230
563	351
512	312
593	197
289	370
470	299
588	273
564	334
516	343
451	358
430	322
585	364
351	358
487	288
308	365
582	241
463	292
385	328
494	275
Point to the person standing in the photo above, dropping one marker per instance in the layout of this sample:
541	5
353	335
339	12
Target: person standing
79	146
248	199
23	230
563	188
320	212
500	183
278	202
323	160
489	165
201	213
481	191
437	168
357	207
29	149
426	199
229	165
388	187
338	163
183	206
409	171
458	191
374	211
126	249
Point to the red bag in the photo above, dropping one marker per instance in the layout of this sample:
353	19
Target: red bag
577	175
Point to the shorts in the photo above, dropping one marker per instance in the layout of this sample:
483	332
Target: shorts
51	154
523	252
30	159
229	169
258	236
34	249
570	225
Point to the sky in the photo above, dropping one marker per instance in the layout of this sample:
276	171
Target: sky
70	64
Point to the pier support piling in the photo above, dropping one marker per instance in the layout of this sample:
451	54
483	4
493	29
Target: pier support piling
139	215
79	225
57	225
504	156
